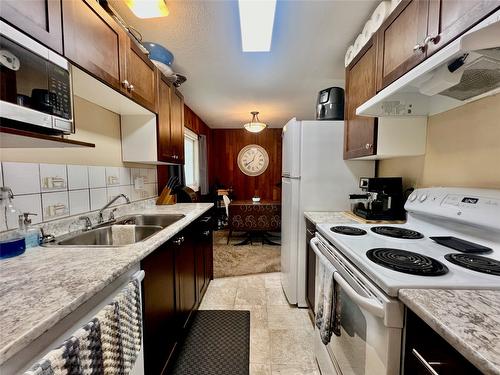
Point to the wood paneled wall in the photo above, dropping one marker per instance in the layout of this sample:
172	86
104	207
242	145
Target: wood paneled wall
227	143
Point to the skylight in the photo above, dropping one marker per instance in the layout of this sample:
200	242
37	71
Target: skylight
256	22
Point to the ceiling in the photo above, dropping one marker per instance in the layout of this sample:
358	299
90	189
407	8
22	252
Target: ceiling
224	84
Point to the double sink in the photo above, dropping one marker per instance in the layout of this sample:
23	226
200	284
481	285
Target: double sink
102	236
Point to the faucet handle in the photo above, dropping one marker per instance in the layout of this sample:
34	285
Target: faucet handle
112	214
88	222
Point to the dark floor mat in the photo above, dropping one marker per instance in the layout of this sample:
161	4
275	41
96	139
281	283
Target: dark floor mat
218	343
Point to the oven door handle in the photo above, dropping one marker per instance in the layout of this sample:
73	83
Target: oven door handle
371	305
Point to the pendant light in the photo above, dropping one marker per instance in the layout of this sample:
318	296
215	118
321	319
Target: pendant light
255	126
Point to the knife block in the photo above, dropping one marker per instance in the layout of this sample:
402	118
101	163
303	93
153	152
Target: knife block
166	197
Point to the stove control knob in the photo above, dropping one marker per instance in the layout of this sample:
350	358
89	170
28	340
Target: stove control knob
422	198
412	197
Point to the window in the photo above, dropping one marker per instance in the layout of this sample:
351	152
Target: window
191	160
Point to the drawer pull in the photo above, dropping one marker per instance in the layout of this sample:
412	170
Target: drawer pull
206	233
178	240
427	365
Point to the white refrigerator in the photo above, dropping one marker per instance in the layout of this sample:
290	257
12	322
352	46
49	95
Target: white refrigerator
314	178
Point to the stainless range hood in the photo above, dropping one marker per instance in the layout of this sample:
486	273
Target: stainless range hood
466	70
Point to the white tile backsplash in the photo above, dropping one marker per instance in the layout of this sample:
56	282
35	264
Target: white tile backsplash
117	190
22	178
53	177
98	198
78	177
79	201
97	177
125	176
112	176
27	203
57	190
55	205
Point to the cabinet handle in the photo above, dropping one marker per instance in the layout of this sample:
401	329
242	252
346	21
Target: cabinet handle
178	240
427	365
368	146
131	88
206	233
125	84
419	47
434	39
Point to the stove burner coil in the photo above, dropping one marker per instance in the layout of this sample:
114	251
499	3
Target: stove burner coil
476	263
396	232
406	262
350	231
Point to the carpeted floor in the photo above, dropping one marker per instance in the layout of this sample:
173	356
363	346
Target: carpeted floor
230	260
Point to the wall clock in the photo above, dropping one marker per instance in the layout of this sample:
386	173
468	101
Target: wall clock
253	160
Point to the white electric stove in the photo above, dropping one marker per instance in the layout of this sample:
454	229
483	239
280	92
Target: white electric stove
471	215
374	261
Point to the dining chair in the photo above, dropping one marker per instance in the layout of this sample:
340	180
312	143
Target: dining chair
226	200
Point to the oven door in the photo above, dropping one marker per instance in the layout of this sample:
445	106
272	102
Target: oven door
371	323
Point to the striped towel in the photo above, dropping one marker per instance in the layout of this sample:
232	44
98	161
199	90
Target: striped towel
108	344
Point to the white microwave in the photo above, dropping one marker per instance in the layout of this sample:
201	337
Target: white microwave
36	92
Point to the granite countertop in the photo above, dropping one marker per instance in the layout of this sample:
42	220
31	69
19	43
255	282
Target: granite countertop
333	217
42	286
468	319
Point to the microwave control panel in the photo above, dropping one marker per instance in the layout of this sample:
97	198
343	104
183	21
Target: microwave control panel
59	87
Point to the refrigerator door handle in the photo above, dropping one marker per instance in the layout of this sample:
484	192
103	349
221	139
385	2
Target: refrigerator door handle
291	177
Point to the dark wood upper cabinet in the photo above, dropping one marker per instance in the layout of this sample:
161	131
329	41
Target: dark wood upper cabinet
40	19
93	41
360	132
163	132
177	125
141	77
401	41
450	18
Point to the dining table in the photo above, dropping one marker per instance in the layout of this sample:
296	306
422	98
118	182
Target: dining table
257	219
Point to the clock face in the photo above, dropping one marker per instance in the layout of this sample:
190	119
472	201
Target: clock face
253	160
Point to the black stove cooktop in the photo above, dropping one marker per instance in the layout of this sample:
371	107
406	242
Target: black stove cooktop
396	232
406	262
349	231
474	262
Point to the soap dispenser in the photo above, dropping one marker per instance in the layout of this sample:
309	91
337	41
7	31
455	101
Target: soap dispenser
31	234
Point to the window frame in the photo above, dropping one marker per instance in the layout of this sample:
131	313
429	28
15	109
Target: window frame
192	136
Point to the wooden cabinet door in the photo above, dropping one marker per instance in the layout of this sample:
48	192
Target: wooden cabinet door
450	18
310	269
204	258
177	125
141	77
40	19
163	131
185	275
399	36
93	41
160	320
360	132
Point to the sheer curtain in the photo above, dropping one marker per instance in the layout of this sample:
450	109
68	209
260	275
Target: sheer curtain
203	157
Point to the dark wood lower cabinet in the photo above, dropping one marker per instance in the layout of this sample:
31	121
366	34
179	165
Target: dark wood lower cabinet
311	269
425	351
159	310
177	276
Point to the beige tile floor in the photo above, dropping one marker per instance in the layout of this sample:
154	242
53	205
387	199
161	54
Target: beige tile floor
281	336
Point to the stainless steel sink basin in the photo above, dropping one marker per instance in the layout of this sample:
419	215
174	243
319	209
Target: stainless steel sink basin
162	220
103	237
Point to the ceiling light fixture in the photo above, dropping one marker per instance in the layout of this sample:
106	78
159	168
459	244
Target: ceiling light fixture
148	8
255	126
256	23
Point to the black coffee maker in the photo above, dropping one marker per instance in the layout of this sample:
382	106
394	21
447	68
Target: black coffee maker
384	199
